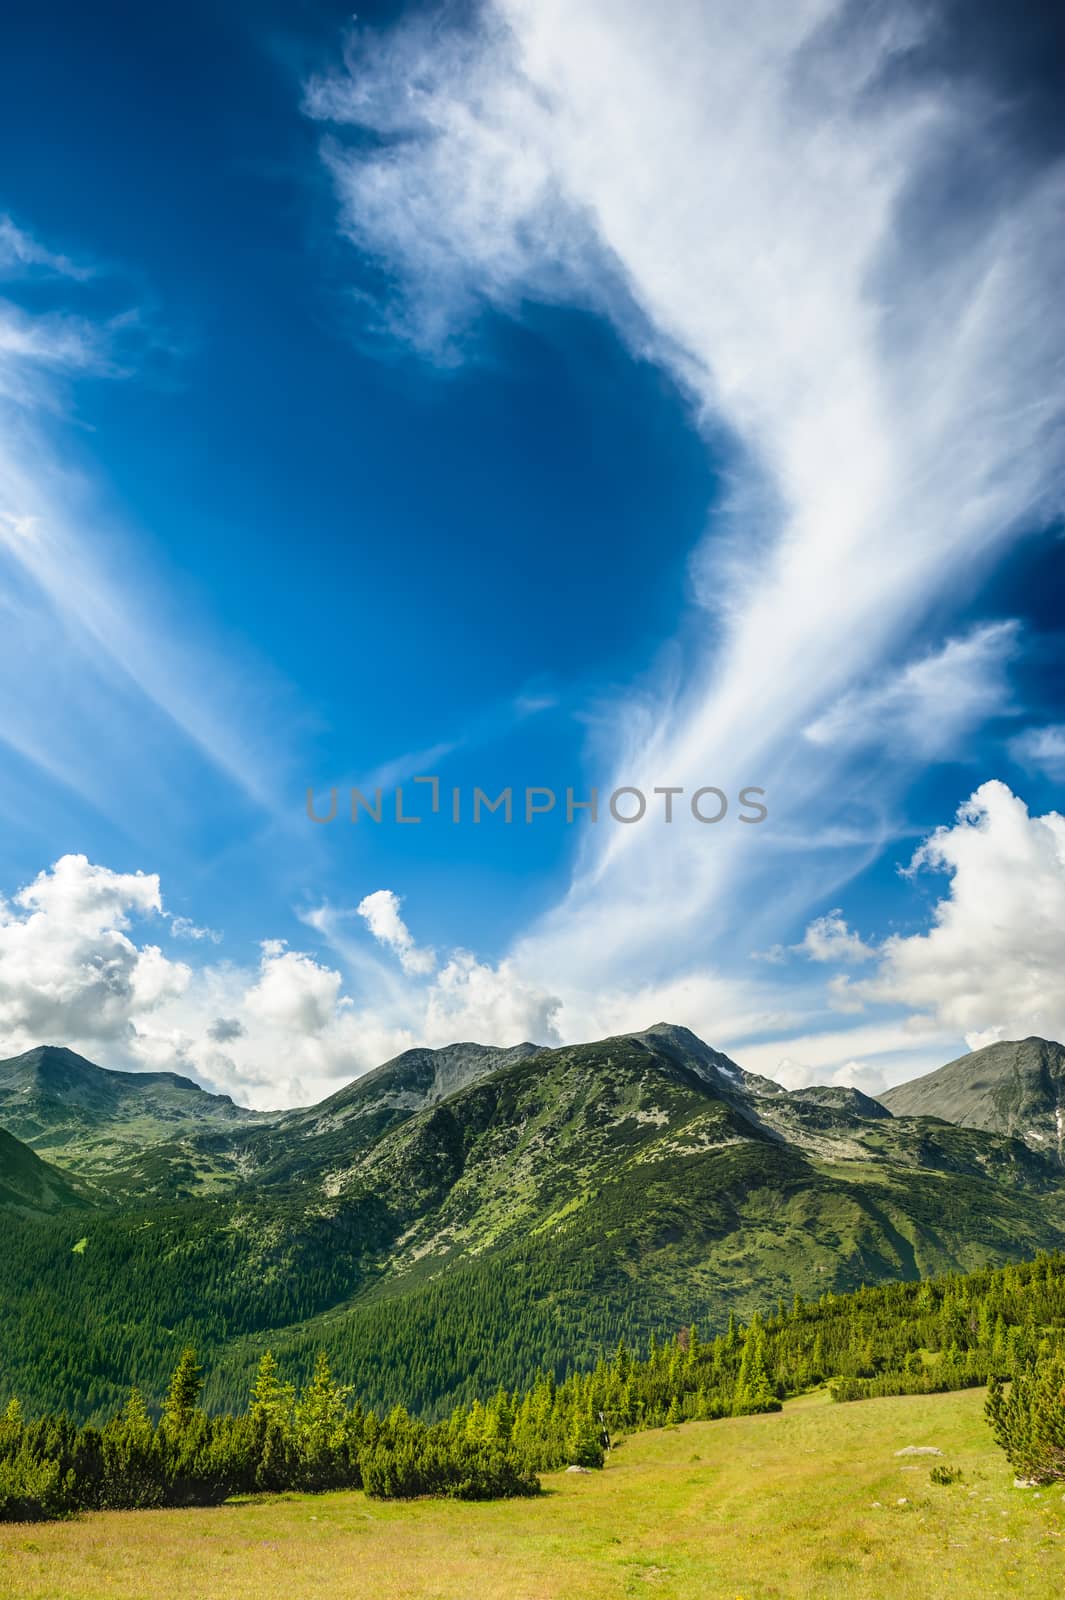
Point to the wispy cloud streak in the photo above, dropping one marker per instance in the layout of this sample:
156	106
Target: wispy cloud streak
754	185
87	649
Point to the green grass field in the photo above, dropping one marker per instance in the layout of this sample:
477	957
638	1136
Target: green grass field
811	1503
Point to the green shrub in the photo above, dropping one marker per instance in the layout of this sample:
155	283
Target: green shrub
1028	1420
30	1490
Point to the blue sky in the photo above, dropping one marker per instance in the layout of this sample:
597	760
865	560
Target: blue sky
529	395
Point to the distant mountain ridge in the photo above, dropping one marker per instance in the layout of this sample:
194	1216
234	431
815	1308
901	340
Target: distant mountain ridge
54	1073
98	1122
458	1218
1015	1087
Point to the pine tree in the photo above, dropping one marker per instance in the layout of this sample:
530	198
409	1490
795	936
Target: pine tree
186	1386
272	1445
583	1446
321	1430
132	1474
753	1389
1028	1422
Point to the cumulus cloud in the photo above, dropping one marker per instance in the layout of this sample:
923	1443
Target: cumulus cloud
68	968
868	1055
223	1030
753	192
380	911
294	993
829	939
76	968
991	965
792	1074
290	1031
479	1001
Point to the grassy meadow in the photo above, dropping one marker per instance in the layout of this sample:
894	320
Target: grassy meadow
811	1502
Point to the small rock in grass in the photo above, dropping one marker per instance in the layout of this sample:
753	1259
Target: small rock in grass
578	1469
919	1450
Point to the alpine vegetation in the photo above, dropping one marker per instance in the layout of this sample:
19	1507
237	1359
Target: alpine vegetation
905	1338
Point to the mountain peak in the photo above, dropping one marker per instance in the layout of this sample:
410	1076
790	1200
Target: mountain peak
683	1046
418	1077
1014	1086
51	1067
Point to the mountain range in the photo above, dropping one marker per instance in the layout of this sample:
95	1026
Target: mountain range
460	1217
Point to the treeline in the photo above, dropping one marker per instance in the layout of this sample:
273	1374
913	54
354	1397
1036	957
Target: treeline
311	1440
997	1327
951	1333
316	1438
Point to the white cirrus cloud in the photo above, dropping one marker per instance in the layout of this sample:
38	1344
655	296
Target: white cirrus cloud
930	704
185	928
131	703
753	192
21	252
1042	750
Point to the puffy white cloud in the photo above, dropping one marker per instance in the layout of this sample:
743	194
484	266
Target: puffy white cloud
223	1030
792	1074
284	1032
829	939
294	993
380	911
474	1000
68	970
991	965
89	898
1042	750
288	1031
868	1056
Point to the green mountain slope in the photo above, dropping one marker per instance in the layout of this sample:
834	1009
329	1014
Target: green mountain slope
362	1112
31	1185
440	1242
1015	1087
139	1133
